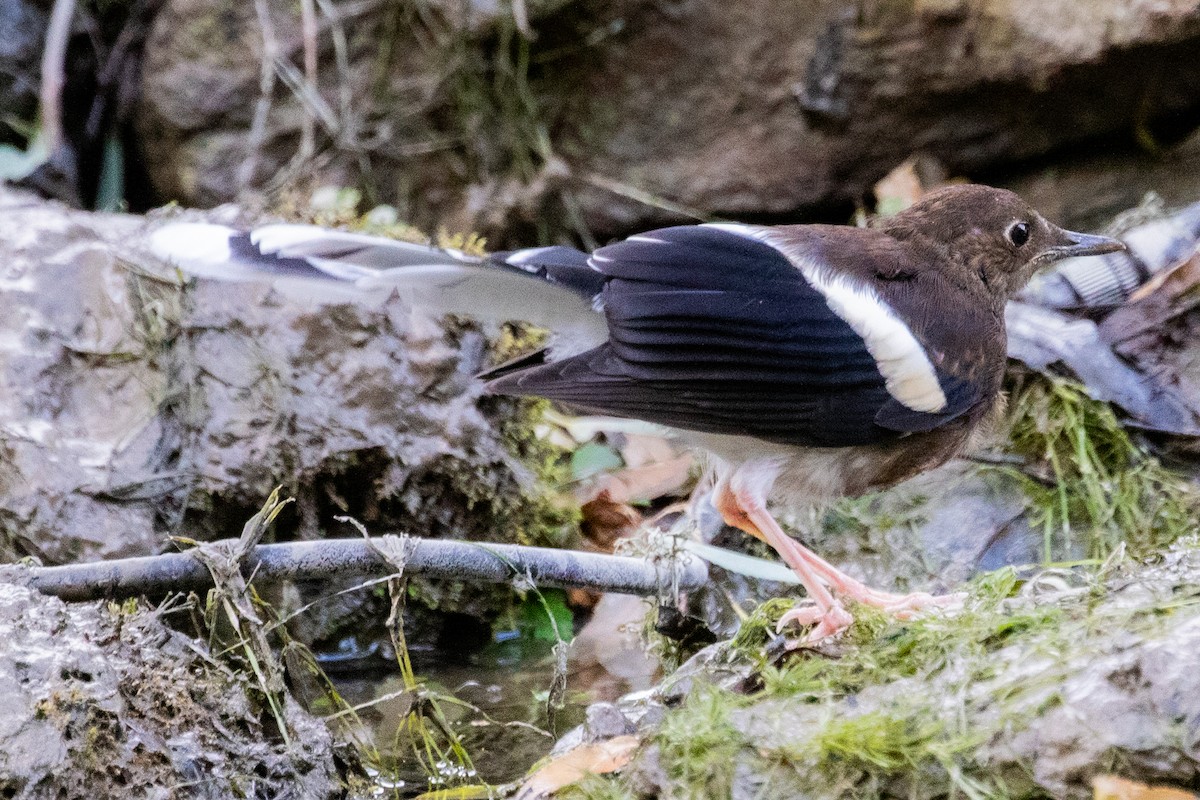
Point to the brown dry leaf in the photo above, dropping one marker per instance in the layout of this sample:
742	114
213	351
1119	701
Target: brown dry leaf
595	759
641	449
649	482
1177	280
605	520
900	188
1110	787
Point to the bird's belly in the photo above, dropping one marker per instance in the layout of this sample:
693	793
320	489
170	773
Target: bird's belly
826	473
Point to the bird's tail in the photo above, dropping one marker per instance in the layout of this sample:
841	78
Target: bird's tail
552	287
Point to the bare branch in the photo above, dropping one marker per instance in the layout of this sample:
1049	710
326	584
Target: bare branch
266	96
54	70
333	558
308	26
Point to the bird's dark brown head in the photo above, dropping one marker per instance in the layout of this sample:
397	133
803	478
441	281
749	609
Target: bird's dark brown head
991	236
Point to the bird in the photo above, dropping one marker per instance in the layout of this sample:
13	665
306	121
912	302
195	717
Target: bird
808	361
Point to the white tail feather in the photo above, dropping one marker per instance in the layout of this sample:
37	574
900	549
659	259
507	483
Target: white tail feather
359	268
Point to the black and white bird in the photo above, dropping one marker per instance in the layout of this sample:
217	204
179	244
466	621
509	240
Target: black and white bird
809	361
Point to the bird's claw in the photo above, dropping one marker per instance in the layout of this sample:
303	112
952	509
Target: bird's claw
907	606
826	622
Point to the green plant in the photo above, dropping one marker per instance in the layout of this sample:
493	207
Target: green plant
1090	484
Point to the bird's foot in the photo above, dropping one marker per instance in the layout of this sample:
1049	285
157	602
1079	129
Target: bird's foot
833	620
826	622
903	606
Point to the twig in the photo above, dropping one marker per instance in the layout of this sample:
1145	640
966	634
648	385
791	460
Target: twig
54	70
308	28
341	58
647	198
332	558
315	107
521	19
266	95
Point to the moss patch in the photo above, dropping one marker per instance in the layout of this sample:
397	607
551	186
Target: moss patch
935	707
699	744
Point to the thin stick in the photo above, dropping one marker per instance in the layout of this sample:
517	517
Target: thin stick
332	558
266	93
646	198
308	23
54	70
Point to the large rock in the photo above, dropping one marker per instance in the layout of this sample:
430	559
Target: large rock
102	700
135	406
1033	696
758	108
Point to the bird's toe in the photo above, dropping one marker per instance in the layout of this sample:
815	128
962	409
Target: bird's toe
910	605
825	622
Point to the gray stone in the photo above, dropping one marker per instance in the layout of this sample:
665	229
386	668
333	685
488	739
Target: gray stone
135	407
106	701
604	721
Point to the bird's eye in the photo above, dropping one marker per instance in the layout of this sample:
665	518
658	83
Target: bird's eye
1018	233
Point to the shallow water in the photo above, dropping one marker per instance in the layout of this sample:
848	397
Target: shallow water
494	700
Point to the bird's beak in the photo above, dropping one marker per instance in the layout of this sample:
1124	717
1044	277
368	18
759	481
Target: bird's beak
1078	244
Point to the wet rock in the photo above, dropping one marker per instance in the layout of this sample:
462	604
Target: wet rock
604	721
136	407
689	103
935	531
107	701
1063	685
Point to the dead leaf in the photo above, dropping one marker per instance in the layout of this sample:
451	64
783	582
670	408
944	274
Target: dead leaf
605	520
612	641
899	189
1111	787
1177	280
908	182
1165	297
589	759
641	449
649	482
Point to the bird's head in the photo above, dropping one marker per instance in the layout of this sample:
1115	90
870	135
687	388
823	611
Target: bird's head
992	236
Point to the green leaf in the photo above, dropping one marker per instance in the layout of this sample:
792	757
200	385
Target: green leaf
533	616
592	459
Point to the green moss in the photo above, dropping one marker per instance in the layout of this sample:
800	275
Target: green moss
1091	486
759	628
862	515
595	787
885	649
915	738
699	744
875	741
541	513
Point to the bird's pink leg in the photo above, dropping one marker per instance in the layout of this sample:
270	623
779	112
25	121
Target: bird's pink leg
745	507
741	499
902	605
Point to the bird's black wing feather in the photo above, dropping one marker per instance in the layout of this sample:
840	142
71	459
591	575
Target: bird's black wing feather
717	332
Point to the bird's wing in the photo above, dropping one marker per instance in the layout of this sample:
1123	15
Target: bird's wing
714	330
